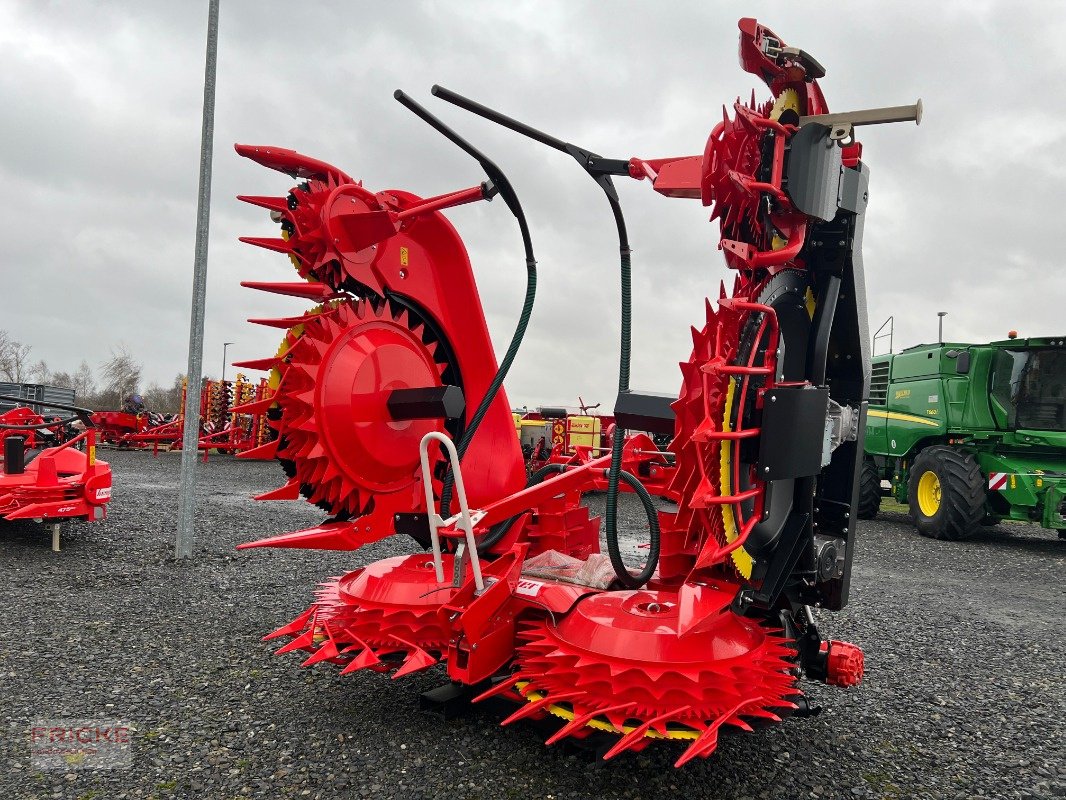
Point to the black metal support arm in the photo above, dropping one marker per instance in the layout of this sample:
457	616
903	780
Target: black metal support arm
600	168
82	414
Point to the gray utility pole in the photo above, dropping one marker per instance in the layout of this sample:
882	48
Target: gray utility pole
191	435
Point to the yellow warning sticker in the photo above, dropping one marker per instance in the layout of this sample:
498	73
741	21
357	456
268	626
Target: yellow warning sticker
404	257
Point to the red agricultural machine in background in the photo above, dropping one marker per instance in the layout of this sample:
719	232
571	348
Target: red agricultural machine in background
232	419
391	416
50	471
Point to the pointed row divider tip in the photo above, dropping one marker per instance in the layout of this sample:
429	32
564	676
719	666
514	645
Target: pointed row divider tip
277	244
280	204
310	290
538	705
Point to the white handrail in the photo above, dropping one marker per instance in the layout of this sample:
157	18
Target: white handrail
463	517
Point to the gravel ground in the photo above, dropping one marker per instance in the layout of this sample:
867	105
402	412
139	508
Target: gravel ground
963	694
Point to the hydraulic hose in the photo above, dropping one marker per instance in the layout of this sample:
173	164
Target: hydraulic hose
631	581
600	170
497	184
505	364
613	474
500	529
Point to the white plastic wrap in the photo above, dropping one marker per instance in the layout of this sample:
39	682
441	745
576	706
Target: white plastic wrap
595	572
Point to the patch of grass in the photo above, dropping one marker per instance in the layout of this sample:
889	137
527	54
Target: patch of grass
167	786
890	504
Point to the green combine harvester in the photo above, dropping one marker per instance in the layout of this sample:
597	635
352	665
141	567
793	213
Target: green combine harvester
968	435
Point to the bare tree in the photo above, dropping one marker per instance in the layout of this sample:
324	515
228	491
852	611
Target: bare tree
39	373
14	359
175	394
84	384
120	376
63	379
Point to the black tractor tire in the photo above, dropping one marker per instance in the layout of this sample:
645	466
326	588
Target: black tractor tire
962	493
869	490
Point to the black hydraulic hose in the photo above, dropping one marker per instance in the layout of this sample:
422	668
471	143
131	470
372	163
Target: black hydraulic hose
498	183
631	581
500	529
600	170
625	349
501	373
59	423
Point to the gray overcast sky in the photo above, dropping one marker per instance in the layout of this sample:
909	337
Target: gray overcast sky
101	105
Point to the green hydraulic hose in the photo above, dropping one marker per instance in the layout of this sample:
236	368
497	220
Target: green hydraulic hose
501	372
626	578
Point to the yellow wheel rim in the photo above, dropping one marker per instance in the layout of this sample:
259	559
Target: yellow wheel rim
929	493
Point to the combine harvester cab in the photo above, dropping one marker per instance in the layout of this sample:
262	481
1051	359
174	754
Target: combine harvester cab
970	434
390	415
46	480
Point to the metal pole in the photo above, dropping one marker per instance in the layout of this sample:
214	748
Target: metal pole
191	434
224	346
940	332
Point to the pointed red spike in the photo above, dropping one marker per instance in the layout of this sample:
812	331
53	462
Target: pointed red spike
290	491
634	736
532	708
326	651
582	721
417	659
310	290
306	639
500	688
264	452
261	364
365	660
706	742
327	536
255	407
294	626
269	243
280	204
282	322
291	163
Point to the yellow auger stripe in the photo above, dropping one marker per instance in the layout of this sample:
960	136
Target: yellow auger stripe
873	412
682	732
741	558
